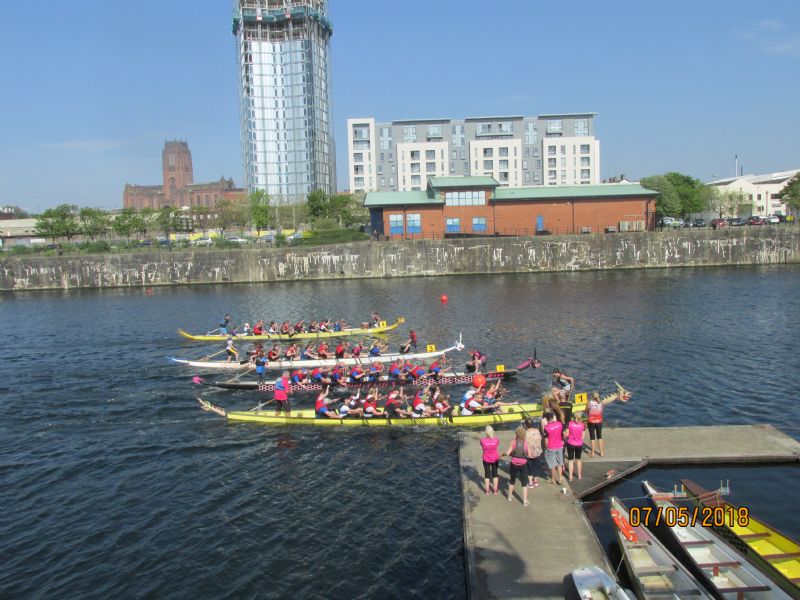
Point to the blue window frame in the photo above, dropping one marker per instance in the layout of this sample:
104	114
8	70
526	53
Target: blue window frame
539	223
478	224
396	224
413	223
453	225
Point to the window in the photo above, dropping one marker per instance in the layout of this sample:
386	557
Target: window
410	133
531	136
358	157
391	156
415	180
563	162
430	154
465	198
586	173
414	155
360	132
396	224
524	165
503	151
551	174
452	168
488	152
455	154
360	145
380	169
391	181
383	181
434	131
554	127
358	181
504	127
552	163
488	165
413	223
430	167
453	225
503	176
551	151
483	129
466	168
563	149
584	148
581	127
504	164
478	224
358	169
527	177
527	151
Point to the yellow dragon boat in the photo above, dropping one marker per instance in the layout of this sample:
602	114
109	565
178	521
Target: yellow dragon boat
508	414
382	327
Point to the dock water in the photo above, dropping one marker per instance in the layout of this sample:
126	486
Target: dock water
512	551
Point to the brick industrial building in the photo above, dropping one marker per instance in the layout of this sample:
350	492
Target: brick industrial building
178	189
457	206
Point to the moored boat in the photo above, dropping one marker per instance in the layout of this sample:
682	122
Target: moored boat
383	382
725	571
383	327
592	583
510	414
777	554
654	571
278	365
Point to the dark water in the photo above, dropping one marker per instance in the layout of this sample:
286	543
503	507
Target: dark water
113	482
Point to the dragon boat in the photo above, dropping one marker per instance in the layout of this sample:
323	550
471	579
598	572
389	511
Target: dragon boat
507	414
279	365
383	382
382	327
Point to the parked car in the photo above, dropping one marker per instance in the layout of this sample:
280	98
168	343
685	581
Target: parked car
297	235
736	222
145	242
699	223
267	238
671	222
235	239
755	220
772	220
165	243
203	241
718	223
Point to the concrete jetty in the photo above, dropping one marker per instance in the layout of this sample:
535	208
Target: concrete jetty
513	551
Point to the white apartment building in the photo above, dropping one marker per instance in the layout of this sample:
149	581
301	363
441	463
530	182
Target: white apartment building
761	190
514	150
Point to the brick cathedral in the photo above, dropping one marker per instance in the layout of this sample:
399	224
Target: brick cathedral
178	188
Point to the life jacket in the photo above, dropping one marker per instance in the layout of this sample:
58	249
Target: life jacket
260	361
316	374
595	412
418	400
273	355
320	402
417	371
299	375
339	351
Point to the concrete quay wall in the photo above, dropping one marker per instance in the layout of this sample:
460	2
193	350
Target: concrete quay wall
742	246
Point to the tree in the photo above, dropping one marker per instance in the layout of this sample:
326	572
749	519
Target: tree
668	203
164	220
260	211
200	215
58	222
790	193
318	204
147	216
125	223
727	203
94	222
225	216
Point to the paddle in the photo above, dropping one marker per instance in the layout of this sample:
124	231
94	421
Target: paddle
215	354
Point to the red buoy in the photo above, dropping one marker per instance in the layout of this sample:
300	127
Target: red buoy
443	298
479	380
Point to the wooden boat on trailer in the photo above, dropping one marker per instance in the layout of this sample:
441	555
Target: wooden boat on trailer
384	382
382	327
279	365
725	571
653	570
775	553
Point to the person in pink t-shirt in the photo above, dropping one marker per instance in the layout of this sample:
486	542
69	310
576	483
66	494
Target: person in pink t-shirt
490	444
554	452
575	432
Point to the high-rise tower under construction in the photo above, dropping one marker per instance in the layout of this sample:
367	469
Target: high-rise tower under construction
283	49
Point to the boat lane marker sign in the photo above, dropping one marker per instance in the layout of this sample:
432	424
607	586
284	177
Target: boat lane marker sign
430	348
580	398
500	368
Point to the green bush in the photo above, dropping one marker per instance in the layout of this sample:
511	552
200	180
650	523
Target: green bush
332	236
20	250
95	247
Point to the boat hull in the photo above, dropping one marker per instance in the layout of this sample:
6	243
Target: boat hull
287	338
593	582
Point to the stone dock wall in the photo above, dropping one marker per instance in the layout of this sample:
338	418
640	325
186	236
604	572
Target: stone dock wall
681	248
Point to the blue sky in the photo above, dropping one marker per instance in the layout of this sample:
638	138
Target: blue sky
92	89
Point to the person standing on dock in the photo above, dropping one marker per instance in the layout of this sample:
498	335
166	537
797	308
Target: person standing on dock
595	410
491	458
554	454
518	451
575	432
281	397
534	439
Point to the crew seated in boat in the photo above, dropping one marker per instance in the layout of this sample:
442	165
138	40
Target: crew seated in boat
321	408
375	319
322	350
441	406
337	375
475	404
286	328
415	371
370	405
246	329
494	394
297	328
313	327
299	376
396	372
274	354
341	350
357	374
308	353
292	352
325	326
355	351
419	407
394	402
274	328
258	328
376	348
476	360
436	367
375	372
321	375
351	407
340	325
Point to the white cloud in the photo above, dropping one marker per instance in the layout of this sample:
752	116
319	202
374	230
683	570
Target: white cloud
85	145
768	37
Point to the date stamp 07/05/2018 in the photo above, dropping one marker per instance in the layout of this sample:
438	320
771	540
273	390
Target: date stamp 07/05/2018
686	516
